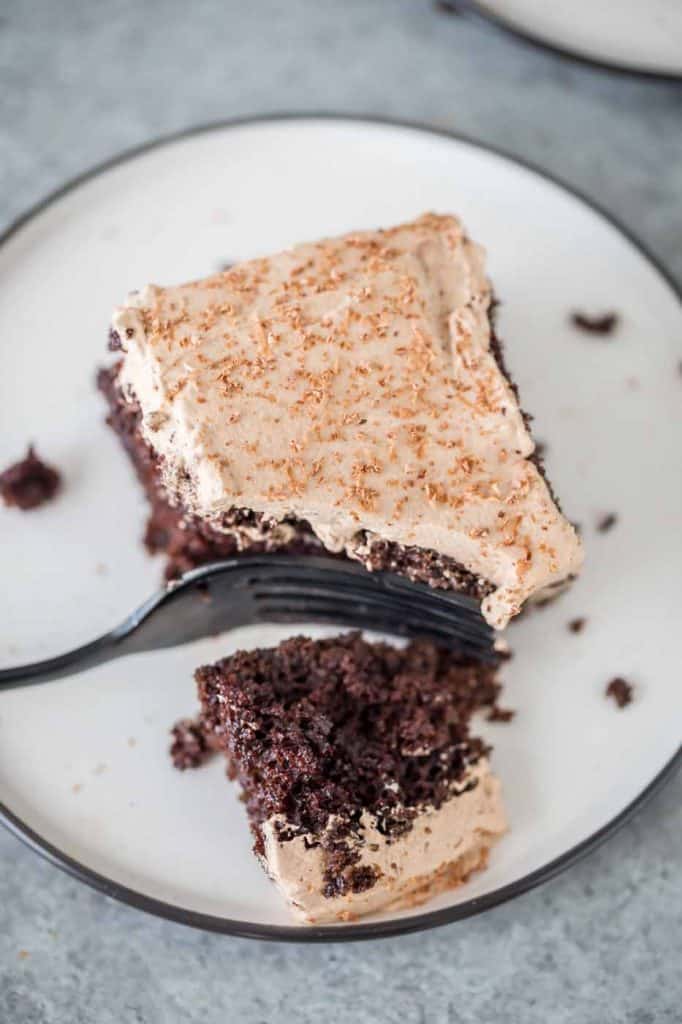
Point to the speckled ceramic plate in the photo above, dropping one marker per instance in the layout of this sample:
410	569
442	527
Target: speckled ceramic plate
84	772
642	36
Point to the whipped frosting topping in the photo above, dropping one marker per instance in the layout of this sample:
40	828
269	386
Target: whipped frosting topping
350	383
460	831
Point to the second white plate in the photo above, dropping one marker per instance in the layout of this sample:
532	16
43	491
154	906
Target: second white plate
635	35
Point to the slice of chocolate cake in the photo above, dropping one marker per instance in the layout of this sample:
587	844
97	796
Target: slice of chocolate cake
363	785
348	393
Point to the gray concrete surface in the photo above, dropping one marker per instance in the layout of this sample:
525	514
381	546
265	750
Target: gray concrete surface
81	80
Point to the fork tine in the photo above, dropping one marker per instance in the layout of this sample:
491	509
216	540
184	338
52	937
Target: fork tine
354	578
396	598
463	649
292	588
358	620
367	614
471	626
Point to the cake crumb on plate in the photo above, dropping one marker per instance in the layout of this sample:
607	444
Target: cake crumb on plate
29	483
620	690
603	324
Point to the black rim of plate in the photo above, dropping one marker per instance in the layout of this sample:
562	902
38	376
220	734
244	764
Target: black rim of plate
371	929
482	11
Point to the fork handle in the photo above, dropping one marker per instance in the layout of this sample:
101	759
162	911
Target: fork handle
88	656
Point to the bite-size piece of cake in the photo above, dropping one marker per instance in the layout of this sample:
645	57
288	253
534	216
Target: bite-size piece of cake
362	783
347	394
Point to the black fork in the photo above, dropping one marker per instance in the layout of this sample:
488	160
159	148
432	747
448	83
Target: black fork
277	588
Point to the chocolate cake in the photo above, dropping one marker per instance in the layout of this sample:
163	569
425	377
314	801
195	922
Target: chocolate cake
620	690
363	785
29	483
349	394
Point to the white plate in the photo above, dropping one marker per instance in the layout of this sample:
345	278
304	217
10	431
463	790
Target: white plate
635	35
84	772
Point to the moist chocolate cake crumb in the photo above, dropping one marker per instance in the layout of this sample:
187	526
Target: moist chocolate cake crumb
577	625
322	729
29	483
498	714
363	877
620	690
421	565
156	536
189	748
607	522
604	324
342	873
